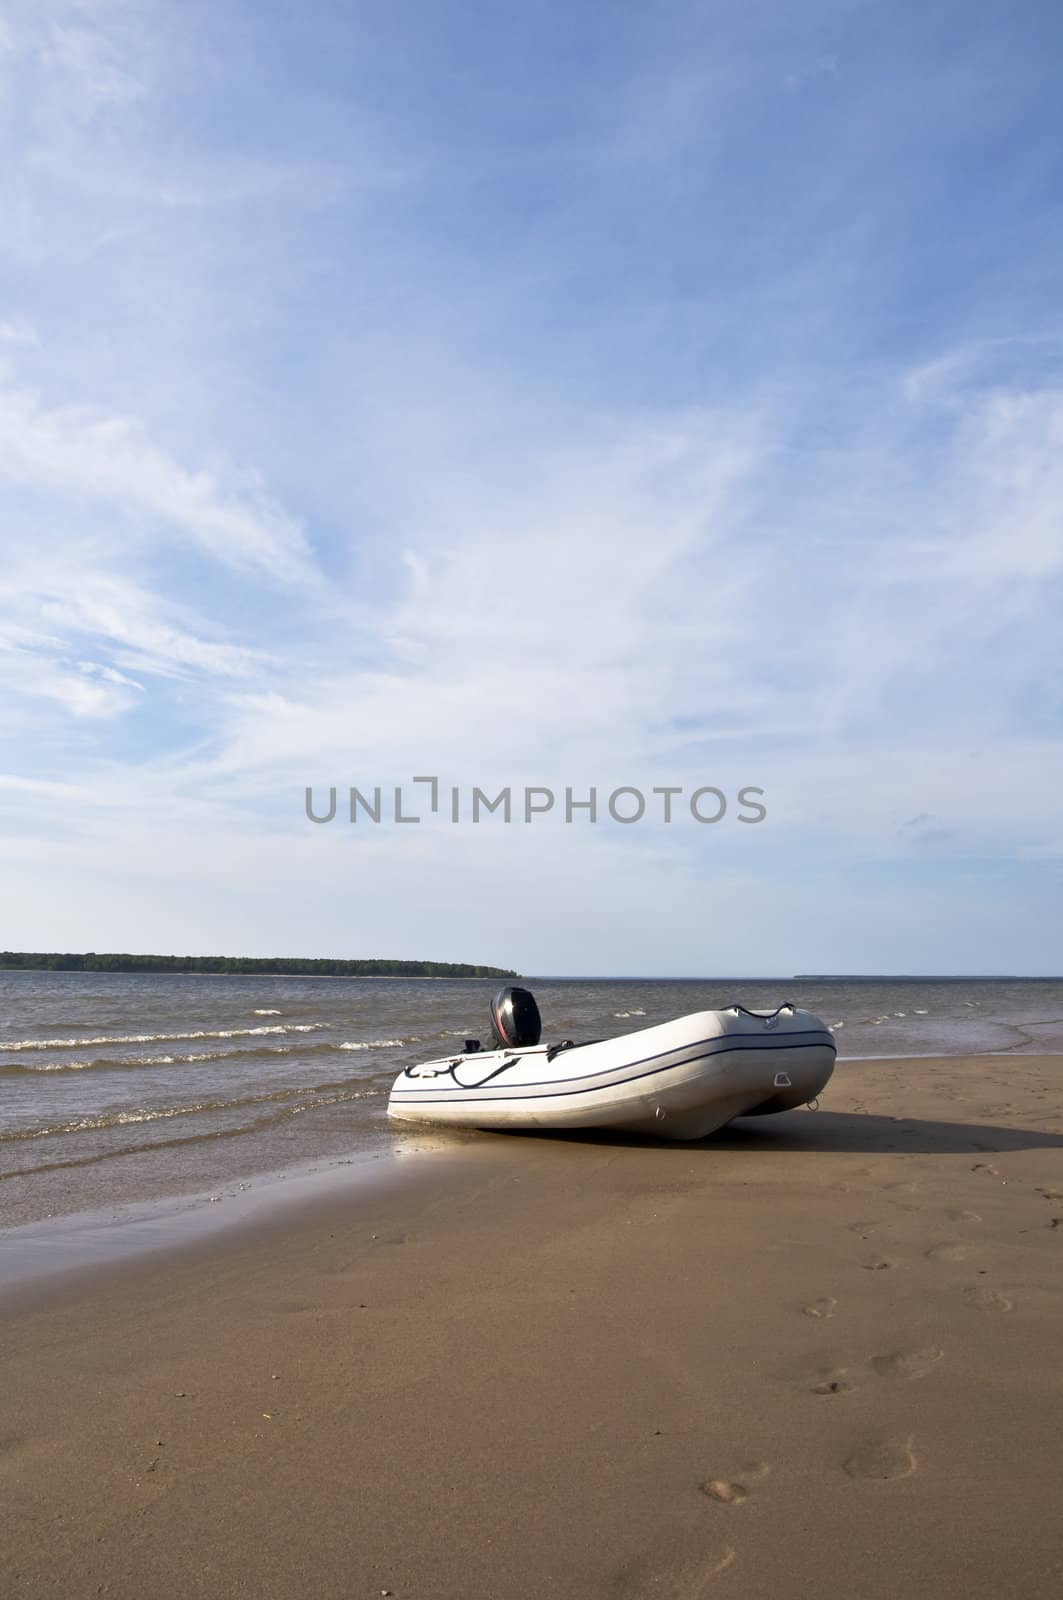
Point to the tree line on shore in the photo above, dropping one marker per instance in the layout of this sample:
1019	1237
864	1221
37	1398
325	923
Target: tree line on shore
286	966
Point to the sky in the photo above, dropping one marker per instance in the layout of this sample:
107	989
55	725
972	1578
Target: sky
563	396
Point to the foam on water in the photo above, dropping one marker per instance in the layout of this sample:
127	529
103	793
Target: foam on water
152	1038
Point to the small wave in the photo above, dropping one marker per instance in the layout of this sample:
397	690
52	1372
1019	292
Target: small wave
256	1126
621	1013
836	1024
248	1053
374	1044
319	1094
153	1038
266	1011
86	1066
114	1119
920	1013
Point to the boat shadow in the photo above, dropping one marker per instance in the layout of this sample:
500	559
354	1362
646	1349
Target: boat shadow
864	1133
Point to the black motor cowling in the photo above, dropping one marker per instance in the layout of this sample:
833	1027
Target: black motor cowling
515	1020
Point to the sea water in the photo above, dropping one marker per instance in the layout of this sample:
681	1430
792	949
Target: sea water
116	1088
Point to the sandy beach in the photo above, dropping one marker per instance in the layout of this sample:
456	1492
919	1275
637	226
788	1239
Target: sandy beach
817	1354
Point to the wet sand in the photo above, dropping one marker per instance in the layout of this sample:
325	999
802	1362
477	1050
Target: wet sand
816	1354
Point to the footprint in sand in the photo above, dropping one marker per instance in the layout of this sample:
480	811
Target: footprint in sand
821	1309
732	1491
983	1299
883	1460
833	1383
984	1166
963	1216
725	1493
948	1251
907	1364
864	1229
685	1580
880	1264
1051	1194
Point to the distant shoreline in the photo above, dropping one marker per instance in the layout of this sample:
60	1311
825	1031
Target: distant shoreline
240	966
320	977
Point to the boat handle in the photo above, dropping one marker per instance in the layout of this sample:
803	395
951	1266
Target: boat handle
770	1018
511	1061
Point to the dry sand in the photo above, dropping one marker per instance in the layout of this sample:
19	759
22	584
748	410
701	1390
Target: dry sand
817	1355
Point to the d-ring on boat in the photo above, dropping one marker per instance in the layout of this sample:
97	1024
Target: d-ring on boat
679	1080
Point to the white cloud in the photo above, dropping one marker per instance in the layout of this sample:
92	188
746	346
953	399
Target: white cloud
18	331
92	63
144	630
82	688
1011	444
68	605
86	455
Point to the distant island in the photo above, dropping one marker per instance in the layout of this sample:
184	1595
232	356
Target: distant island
918	977
258	966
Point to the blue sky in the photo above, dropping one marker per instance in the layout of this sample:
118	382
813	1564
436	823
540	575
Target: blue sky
563	395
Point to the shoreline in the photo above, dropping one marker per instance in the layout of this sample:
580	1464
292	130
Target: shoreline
54	1254
46	1249
817	1352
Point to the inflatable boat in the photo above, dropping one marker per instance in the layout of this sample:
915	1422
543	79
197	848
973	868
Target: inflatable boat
678	1080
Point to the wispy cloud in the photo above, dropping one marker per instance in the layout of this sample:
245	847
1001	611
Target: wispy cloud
86	455
17	331
93	63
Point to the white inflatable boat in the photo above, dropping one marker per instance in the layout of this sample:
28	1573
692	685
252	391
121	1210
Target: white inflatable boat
680	1080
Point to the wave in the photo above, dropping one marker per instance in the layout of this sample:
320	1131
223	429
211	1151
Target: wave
310	1094
17	1070
266	1011
20	1069
152	1038
257	1125
375	1044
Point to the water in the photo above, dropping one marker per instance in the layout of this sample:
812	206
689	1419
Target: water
116	1088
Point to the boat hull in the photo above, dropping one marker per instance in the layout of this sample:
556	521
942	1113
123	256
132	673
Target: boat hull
680	1080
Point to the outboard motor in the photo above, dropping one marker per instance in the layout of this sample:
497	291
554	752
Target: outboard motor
515	1020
